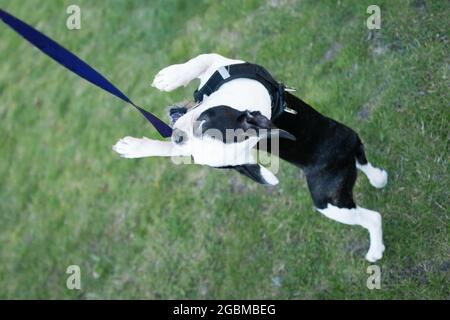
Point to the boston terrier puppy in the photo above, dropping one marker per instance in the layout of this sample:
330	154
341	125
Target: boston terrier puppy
244	108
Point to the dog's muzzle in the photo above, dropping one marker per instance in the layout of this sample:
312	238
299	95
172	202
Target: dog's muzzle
179	136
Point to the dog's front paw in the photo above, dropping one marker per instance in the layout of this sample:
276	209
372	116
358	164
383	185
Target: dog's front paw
172	77
130	147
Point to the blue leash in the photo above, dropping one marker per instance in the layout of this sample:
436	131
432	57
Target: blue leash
76	65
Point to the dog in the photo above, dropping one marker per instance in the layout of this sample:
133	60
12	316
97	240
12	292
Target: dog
328	152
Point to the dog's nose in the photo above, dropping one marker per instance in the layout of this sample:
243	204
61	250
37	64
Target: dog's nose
179	136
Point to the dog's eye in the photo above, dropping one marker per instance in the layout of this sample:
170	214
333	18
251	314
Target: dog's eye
179	136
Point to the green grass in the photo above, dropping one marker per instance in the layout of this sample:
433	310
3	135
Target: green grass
150	229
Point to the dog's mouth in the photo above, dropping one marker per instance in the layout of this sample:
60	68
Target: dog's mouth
179	109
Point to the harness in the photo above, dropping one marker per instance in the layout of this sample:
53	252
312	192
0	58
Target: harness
250	71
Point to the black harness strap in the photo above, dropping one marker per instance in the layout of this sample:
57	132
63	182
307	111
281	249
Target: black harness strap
250	71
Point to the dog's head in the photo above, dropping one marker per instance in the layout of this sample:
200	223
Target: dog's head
222	136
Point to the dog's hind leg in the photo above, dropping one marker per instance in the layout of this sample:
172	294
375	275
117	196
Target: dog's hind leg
377	177
331	191
368	219
201	67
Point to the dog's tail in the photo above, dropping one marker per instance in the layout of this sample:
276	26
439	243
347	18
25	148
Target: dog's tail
360	153
377	177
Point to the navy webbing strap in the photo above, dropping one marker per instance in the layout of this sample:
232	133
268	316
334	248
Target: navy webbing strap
250	71
76	65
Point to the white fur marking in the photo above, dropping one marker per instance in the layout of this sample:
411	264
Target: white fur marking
172	77
377	177
130	147
370	220
268	176
240	94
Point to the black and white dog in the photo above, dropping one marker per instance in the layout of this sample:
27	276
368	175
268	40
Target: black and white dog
328	152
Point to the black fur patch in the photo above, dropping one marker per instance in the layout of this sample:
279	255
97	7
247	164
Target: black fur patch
220	122
252	171
325	150
232	126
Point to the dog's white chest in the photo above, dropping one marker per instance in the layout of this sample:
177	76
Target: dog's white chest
241	94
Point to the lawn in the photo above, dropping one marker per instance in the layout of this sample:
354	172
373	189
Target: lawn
150	229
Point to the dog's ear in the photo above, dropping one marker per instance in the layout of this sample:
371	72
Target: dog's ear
257	173
255	120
